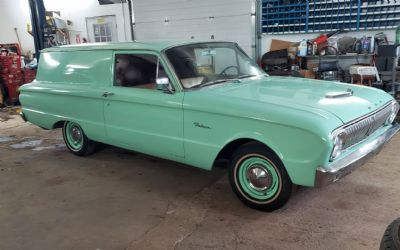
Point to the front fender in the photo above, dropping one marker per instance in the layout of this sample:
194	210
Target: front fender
300	151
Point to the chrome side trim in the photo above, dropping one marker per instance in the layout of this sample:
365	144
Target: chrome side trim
342	167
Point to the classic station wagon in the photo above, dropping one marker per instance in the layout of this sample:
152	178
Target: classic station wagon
197	103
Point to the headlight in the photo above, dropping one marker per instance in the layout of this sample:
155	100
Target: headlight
338	138
393	113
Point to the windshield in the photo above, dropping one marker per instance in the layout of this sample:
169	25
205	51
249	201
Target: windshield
204	64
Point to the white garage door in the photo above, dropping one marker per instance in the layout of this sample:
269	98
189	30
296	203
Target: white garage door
228	20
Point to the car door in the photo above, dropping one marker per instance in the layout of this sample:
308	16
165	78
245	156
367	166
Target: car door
139	116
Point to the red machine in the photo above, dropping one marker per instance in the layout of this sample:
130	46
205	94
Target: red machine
12	75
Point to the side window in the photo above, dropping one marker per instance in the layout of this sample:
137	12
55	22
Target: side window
137	71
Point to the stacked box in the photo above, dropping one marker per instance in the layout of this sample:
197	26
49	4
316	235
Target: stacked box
29	75
12	75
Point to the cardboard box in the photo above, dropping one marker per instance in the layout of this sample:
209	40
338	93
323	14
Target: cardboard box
312	65
279	44
293	48
306	73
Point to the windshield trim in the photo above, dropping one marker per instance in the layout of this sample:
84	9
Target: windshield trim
176	77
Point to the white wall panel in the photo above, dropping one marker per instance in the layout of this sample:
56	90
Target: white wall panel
16	13
78	10
230	20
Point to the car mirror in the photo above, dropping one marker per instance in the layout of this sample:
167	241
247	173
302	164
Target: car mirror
162	81
163	84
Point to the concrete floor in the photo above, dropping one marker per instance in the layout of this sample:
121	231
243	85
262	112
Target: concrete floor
116	199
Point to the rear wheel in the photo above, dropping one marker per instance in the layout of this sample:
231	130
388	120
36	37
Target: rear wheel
76	140
259	178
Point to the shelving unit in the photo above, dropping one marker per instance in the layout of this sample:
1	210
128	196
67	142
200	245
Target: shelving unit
295	16
343	56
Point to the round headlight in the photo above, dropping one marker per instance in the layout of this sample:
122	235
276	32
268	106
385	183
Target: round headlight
338	139
393	113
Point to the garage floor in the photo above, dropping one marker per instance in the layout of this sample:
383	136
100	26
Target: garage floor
116	199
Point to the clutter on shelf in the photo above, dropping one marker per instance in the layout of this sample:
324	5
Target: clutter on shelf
336	56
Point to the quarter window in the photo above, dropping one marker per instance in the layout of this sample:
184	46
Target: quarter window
137	70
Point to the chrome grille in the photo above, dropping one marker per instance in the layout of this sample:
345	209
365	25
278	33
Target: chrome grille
362	128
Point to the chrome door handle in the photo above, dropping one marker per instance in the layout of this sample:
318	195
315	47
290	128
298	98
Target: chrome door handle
107	94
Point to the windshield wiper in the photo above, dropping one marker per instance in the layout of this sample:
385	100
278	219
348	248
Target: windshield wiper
245	76
212	83
237	79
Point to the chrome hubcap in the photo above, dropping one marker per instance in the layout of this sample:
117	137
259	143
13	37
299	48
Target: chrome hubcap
76	134
258	178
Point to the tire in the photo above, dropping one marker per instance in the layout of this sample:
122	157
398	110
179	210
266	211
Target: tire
391	238
265	194
76	140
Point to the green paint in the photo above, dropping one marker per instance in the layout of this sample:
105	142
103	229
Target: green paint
244	182
290	115
75	143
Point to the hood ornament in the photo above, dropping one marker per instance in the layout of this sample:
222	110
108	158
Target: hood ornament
348	92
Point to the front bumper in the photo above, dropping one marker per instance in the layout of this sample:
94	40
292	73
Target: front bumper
342	167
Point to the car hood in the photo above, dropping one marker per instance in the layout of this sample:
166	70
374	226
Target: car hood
301	93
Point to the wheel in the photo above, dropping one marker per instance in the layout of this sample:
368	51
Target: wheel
76	140
258	178
391	238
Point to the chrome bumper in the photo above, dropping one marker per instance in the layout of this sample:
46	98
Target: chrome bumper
342	167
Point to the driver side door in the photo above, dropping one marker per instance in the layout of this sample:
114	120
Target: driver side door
139	116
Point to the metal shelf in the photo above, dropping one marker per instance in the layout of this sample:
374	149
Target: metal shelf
293	16
324	2
342	56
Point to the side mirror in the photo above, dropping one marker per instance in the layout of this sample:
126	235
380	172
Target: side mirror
164	85
162	81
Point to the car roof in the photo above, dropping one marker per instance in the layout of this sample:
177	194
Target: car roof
152	45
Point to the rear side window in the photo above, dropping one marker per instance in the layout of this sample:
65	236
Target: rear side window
137	71
76	67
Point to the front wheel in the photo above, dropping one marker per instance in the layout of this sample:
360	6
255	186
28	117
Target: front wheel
76	140
258	178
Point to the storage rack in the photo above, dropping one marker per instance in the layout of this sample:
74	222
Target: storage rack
295	16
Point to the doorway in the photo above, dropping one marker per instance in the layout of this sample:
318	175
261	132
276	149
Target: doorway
102	29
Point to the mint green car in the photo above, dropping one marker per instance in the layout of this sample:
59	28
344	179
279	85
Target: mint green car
199	103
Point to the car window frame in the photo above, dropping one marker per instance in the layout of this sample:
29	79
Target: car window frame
167	68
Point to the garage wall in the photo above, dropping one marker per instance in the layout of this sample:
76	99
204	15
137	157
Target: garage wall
78	10
266	39
16	13
228	20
